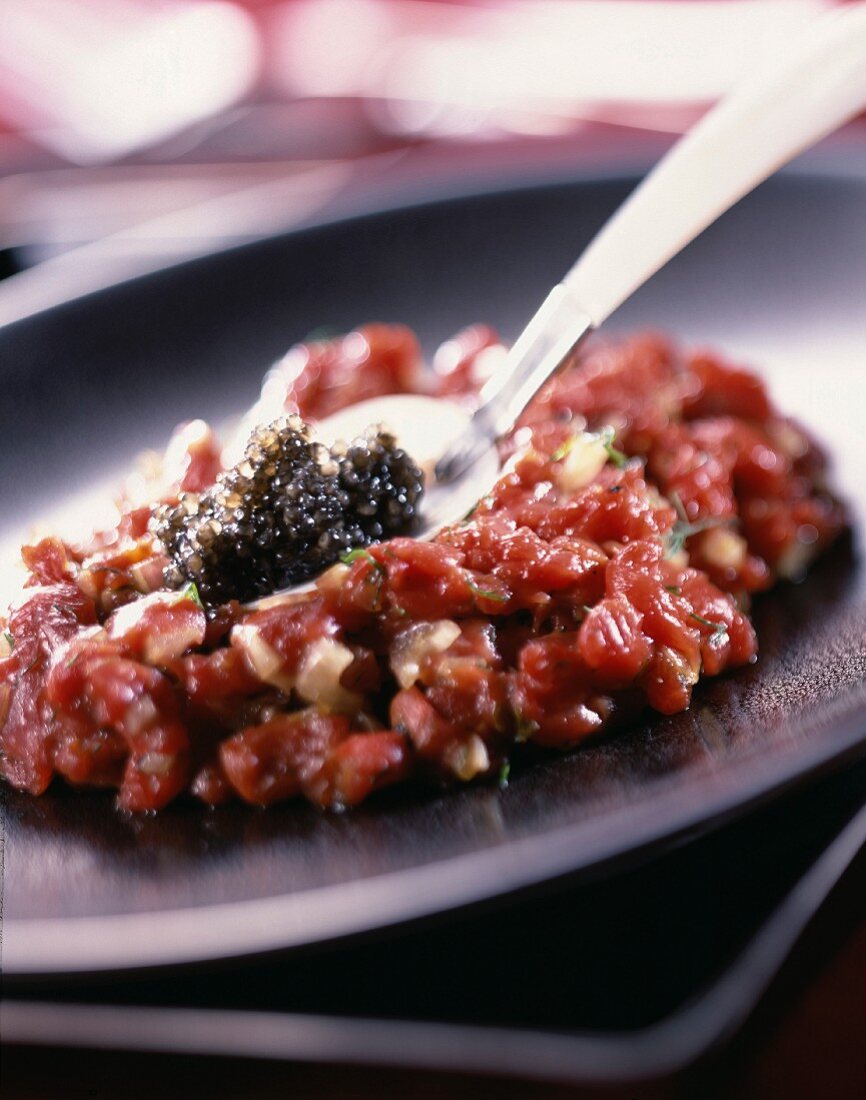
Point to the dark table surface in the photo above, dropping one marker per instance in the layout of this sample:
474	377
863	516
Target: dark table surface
615	955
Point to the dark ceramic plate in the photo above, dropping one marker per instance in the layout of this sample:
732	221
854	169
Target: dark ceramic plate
781	281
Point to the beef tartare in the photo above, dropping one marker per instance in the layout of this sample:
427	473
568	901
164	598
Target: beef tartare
645	496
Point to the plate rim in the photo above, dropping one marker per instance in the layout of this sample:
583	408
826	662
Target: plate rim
77	945
822	164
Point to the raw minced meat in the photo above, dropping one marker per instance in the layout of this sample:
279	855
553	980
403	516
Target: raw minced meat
647	494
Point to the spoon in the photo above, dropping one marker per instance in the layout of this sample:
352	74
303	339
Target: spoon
818	85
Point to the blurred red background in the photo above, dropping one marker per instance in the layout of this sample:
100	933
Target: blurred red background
157	129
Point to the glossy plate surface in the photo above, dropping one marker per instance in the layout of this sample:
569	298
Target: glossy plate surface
779	282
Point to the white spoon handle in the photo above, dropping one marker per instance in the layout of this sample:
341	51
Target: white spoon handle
818	84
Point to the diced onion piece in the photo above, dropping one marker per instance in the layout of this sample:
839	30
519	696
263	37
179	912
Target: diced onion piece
788	438
282	599
318	679
140	714
262	658
723	548
187	437
147	575
86	581
583	463
162	648
415	643
132	615
792	562
145	483
331	581
686	671
156	763
468	758
162	626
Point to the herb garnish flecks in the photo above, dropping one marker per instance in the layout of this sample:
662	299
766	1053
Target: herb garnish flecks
717	628
684	528
360	554
485	593
605	437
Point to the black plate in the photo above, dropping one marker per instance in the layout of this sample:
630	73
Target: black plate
780	280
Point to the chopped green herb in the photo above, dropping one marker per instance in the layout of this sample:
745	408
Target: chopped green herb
674	589
563	449
524	727
190	592
504	773
617	457
7	634
717	628
485	500
683	529
359	554
679	507
486	593
377	576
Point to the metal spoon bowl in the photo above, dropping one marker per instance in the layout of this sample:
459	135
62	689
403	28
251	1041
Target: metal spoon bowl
426	428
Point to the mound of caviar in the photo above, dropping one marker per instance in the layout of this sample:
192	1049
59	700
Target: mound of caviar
380	483
287	510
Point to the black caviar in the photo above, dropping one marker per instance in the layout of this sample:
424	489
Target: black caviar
381	485
287	510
